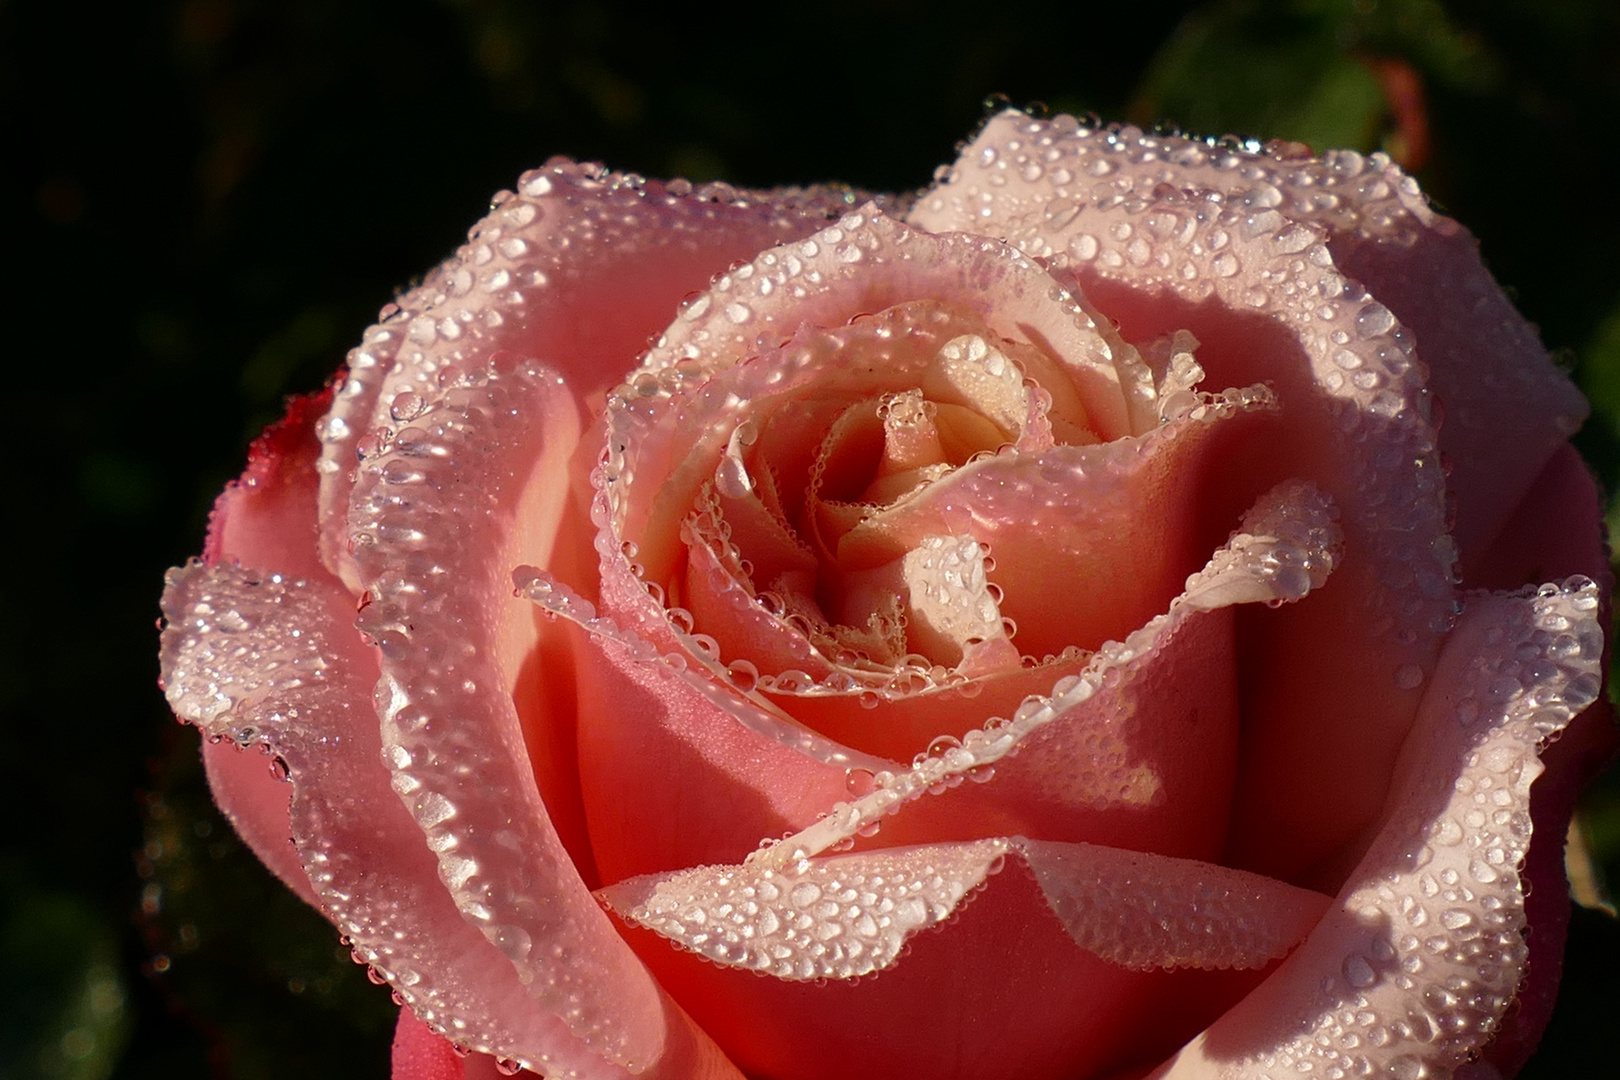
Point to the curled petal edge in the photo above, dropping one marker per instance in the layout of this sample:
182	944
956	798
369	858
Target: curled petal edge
1414	967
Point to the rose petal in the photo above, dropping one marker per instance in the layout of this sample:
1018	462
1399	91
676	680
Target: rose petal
848	915
260	659
435	517
1508	410
1141	910
1147	510
836	918
712	771
1054	1009
1556	531
802	294
1135	220
1289	545
1420	958
572	238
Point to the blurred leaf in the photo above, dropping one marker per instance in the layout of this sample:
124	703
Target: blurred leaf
1249	69
1330	73
59	976
245	960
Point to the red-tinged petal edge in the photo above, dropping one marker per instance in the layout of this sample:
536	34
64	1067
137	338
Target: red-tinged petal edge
279	475
1416	966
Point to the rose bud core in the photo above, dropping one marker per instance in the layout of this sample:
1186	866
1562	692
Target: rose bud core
1038	628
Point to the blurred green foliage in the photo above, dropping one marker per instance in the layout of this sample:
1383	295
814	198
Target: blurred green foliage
210	198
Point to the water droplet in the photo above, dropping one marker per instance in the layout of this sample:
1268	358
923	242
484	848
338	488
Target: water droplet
1083	246
1408	677
406	406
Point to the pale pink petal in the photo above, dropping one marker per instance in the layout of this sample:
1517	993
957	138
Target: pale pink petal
835	918
468	488
1235	246
846	916
572	238
256	658
1507	408
1141	910
1416	965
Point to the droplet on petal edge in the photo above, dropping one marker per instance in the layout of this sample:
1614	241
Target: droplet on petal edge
834	918
844	916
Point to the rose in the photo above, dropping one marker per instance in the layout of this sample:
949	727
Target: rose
1111	387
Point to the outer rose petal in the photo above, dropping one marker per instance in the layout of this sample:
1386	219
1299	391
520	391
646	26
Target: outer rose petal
1173	233
1507	408
573	238
466	477
1417	965
269	659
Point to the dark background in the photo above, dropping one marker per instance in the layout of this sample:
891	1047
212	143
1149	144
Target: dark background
203	203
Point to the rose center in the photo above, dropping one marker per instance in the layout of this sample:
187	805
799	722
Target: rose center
821	536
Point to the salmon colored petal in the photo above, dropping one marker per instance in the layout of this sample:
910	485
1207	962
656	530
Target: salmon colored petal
1288	546
572	239
419	1054
711	770
1420	959
1145	763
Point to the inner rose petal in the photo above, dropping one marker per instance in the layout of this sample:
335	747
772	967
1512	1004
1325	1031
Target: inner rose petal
854	515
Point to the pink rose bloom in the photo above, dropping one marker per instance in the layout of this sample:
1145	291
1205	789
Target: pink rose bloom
1038	629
